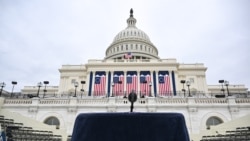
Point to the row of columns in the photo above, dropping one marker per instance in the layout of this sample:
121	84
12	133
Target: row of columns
125	81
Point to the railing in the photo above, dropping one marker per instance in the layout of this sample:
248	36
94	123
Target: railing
211	100
242	100
82	95
54	101
171	101
92	101
18	101
122	101
134	60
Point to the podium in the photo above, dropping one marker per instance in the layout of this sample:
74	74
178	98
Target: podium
130	127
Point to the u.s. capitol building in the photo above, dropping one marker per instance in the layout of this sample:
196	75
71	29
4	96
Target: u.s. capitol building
132	65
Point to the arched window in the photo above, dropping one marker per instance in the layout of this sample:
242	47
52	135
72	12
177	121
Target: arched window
52	121
213	121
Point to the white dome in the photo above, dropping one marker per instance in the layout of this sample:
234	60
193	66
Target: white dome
131	33
132	40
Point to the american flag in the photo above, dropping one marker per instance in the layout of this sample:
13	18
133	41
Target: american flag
99	86
128	55
131	84
145	80
164	85
118	87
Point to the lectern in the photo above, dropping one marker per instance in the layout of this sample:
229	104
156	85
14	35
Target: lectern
130	127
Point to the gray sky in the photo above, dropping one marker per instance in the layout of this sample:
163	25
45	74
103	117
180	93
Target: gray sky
38	36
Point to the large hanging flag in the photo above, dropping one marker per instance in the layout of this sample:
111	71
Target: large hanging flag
128	55
100	85
118	87
145	81
164	85
131	83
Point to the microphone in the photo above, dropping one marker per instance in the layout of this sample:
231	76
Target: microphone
132	98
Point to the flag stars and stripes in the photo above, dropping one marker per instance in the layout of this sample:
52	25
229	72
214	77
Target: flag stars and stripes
99	85
164	85
118	87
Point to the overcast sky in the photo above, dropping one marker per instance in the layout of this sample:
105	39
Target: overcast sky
38	36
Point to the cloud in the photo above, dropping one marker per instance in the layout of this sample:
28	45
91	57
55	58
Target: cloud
37	37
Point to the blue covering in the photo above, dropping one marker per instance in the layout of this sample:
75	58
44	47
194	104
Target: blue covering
109	81
130	127
2	136
90	83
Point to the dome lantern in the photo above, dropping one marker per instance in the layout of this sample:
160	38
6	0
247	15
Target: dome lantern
131	20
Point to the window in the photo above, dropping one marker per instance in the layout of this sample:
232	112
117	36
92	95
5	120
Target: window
52	121
126	47
117	48
213	121
191	80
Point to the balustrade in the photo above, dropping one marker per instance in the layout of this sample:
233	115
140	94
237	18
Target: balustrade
18	101
171	101
54	101
242	100
105	100
211	100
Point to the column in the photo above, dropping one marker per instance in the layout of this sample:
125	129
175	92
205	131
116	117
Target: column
173	77
151	92
171	82
125	83
86	87
106	87
157	82
112	75
138	84
93	83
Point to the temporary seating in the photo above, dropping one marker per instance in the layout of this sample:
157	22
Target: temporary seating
19	132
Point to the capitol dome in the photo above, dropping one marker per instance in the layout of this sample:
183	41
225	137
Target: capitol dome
133	41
